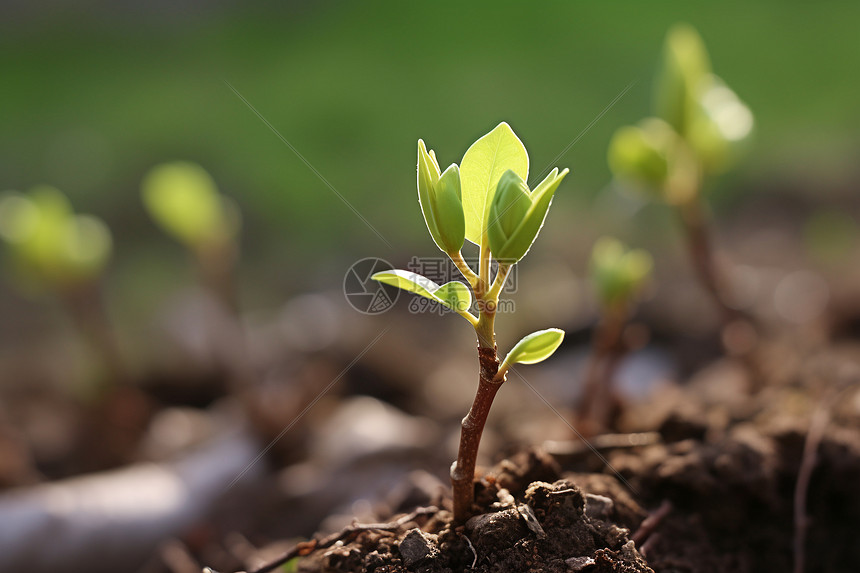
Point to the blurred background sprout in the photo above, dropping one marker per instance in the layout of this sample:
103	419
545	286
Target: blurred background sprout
699	128
50	246
54	250
619	275
183	199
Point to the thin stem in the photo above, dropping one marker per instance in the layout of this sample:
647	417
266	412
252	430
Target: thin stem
464	269
217	262
472	426
86	305
499	282
469	316
483	267
703	259
463	470
593	410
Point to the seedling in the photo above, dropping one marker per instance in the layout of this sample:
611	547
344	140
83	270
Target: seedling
54	250
184	200
699	128
486	201
618	275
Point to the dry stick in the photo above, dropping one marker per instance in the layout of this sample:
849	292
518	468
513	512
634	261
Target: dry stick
650	523
306	547
814	436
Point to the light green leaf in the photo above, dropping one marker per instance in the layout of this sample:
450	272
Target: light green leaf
454	295
535	347
408	281
482	167
183	198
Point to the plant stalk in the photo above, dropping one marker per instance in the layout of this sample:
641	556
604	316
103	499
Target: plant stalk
704	260
86	306
471	428
606	347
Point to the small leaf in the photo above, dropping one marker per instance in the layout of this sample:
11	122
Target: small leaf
408	281
535	347
183	198
718	126
684	67
454	295
527	209
482	167
618	273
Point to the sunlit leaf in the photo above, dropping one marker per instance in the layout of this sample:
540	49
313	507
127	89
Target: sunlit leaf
535	347
482	167
183	198
454	295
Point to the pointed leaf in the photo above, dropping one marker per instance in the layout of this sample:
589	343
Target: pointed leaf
527	231
408	281
454	295
482	167
535	347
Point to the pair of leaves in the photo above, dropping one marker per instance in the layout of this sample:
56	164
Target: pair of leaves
453	295
50	244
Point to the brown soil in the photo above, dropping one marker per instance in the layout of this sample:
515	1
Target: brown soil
713	491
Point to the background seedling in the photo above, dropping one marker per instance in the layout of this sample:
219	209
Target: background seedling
699	129
484	200
618	275
52	249
184	200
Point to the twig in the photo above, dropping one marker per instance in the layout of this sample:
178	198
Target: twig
306	547
650	523
472	548
817	427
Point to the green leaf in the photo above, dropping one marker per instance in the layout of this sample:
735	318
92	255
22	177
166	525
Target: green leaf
517	215
50	245
454	295
183	198
536	347
618	273
482	167
684	67
718	126
640	154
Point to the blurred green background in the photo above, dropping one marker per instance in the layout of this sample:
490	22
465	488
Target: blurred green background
93	94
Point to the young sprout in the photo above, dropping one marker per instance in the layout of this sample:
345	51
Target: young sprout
184	200
487	202
618	275
699	129
53	249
